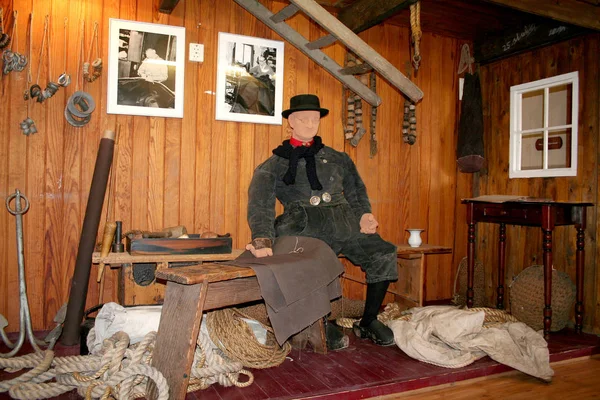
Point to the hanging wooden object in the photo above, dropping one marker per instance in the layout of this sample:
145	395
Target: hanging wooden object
409	123
348	100
353	113
373	86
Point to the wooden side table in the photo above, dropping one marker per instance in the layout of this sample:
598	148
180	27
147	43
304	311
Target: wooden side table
528	212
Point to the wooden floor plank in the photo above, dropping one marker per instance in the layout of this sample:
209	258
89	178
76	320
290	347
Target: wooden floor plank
575	379
269	384
343	375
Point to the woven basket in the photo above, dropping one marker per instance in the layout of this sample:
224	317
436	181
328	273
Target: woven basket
527	298
460	285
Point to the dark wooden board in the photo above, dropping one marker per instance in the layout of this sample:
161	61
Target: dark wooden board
192	245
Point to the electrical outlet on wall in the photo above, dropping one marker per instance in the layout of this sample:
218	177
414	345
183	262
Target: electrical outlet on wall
196	52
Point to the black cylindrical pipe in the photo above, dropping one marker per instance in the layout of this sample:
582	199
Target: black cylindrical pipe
87	241
117	246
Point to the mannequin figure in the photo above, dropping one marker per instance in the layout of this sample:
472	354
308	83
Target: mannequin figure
325	198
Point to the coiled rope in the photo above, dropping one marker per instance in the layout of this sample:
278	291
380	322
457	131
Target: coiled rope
392	312
114	371
119	370
235	338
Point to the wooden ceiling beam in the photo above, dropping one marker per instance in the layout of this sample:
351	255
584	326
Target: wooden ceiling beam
575	12
167	6
364	14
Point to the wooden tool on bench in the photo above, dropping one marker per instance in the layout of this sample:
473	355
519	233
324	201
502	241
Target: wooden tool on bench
171	232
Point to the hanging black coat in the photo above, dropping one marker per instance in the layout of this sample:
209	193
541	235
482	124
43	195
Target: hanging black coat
469	149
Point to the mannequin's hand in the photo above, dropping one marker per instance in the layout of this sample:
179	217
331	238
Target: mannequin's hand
368	223
260	252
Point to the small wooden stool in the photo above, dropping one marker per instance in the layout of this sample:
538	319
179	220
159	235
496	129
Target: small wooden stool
191	291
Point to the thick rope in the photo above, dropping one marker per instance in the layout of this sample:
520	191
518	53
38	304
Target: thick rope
392	312
110	373
210	366
415	27
119	370
235	338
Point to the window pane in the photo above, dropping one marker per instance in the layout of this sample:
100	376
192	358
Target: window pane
559	105
559	149
533	110
531	157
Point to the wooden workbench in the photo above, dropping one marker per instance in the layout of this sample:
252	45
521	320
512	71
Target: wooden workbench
409	290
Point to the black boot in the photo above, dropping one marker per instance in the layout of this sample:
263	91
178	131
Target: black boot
369	326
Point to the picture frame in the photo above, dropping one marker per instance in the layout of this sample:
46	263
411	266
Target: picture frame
249	84
146	64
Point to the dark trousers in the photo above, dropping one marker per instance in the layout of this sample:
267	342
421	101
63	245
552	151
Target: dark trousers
339	227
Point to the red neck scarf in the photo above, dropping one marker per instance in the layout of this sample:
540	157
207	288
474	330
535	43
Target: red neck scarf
296	143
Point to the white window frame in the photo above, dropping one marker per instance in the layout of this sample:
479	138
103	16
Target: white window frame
516	132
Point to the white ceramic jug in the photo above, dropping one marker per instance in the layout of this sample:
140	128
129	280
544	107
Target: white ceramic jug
414	240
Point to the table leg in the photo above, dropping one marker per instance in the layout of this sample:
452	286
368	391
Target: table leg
580	259
470	263
501	264
177	335
547	246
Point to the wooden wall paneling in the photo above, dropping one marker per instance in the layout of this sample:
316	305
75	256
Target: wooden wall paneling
140	151
421	160
127	10
443	263
55	286
15	143
218	160
592	50
588	188
156	177
263	133
173	128
6	131
233	184
156	199
34	221
198	125
428	134
492	153
140	169
245	151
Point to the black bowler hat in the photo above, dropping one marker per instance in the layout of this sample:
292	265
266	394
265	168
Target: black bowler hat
305	102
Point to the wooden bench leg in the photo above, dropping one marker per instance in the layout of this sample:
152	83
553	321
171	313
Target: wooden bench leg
177	335
313	334
316	337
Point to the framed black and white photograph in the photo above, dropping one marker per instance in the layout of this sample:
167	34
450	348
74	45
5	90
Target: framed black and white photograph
249	79
145	69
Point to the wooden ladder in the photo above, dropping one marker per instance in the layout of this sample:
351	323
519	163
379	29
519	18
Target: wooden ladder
337	31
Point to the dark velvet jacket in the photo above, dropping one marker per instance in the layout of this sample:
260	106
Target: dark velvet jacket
336	172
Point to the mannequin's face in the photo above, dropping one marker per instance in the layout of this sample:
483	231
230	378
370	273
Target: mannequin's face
304	124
